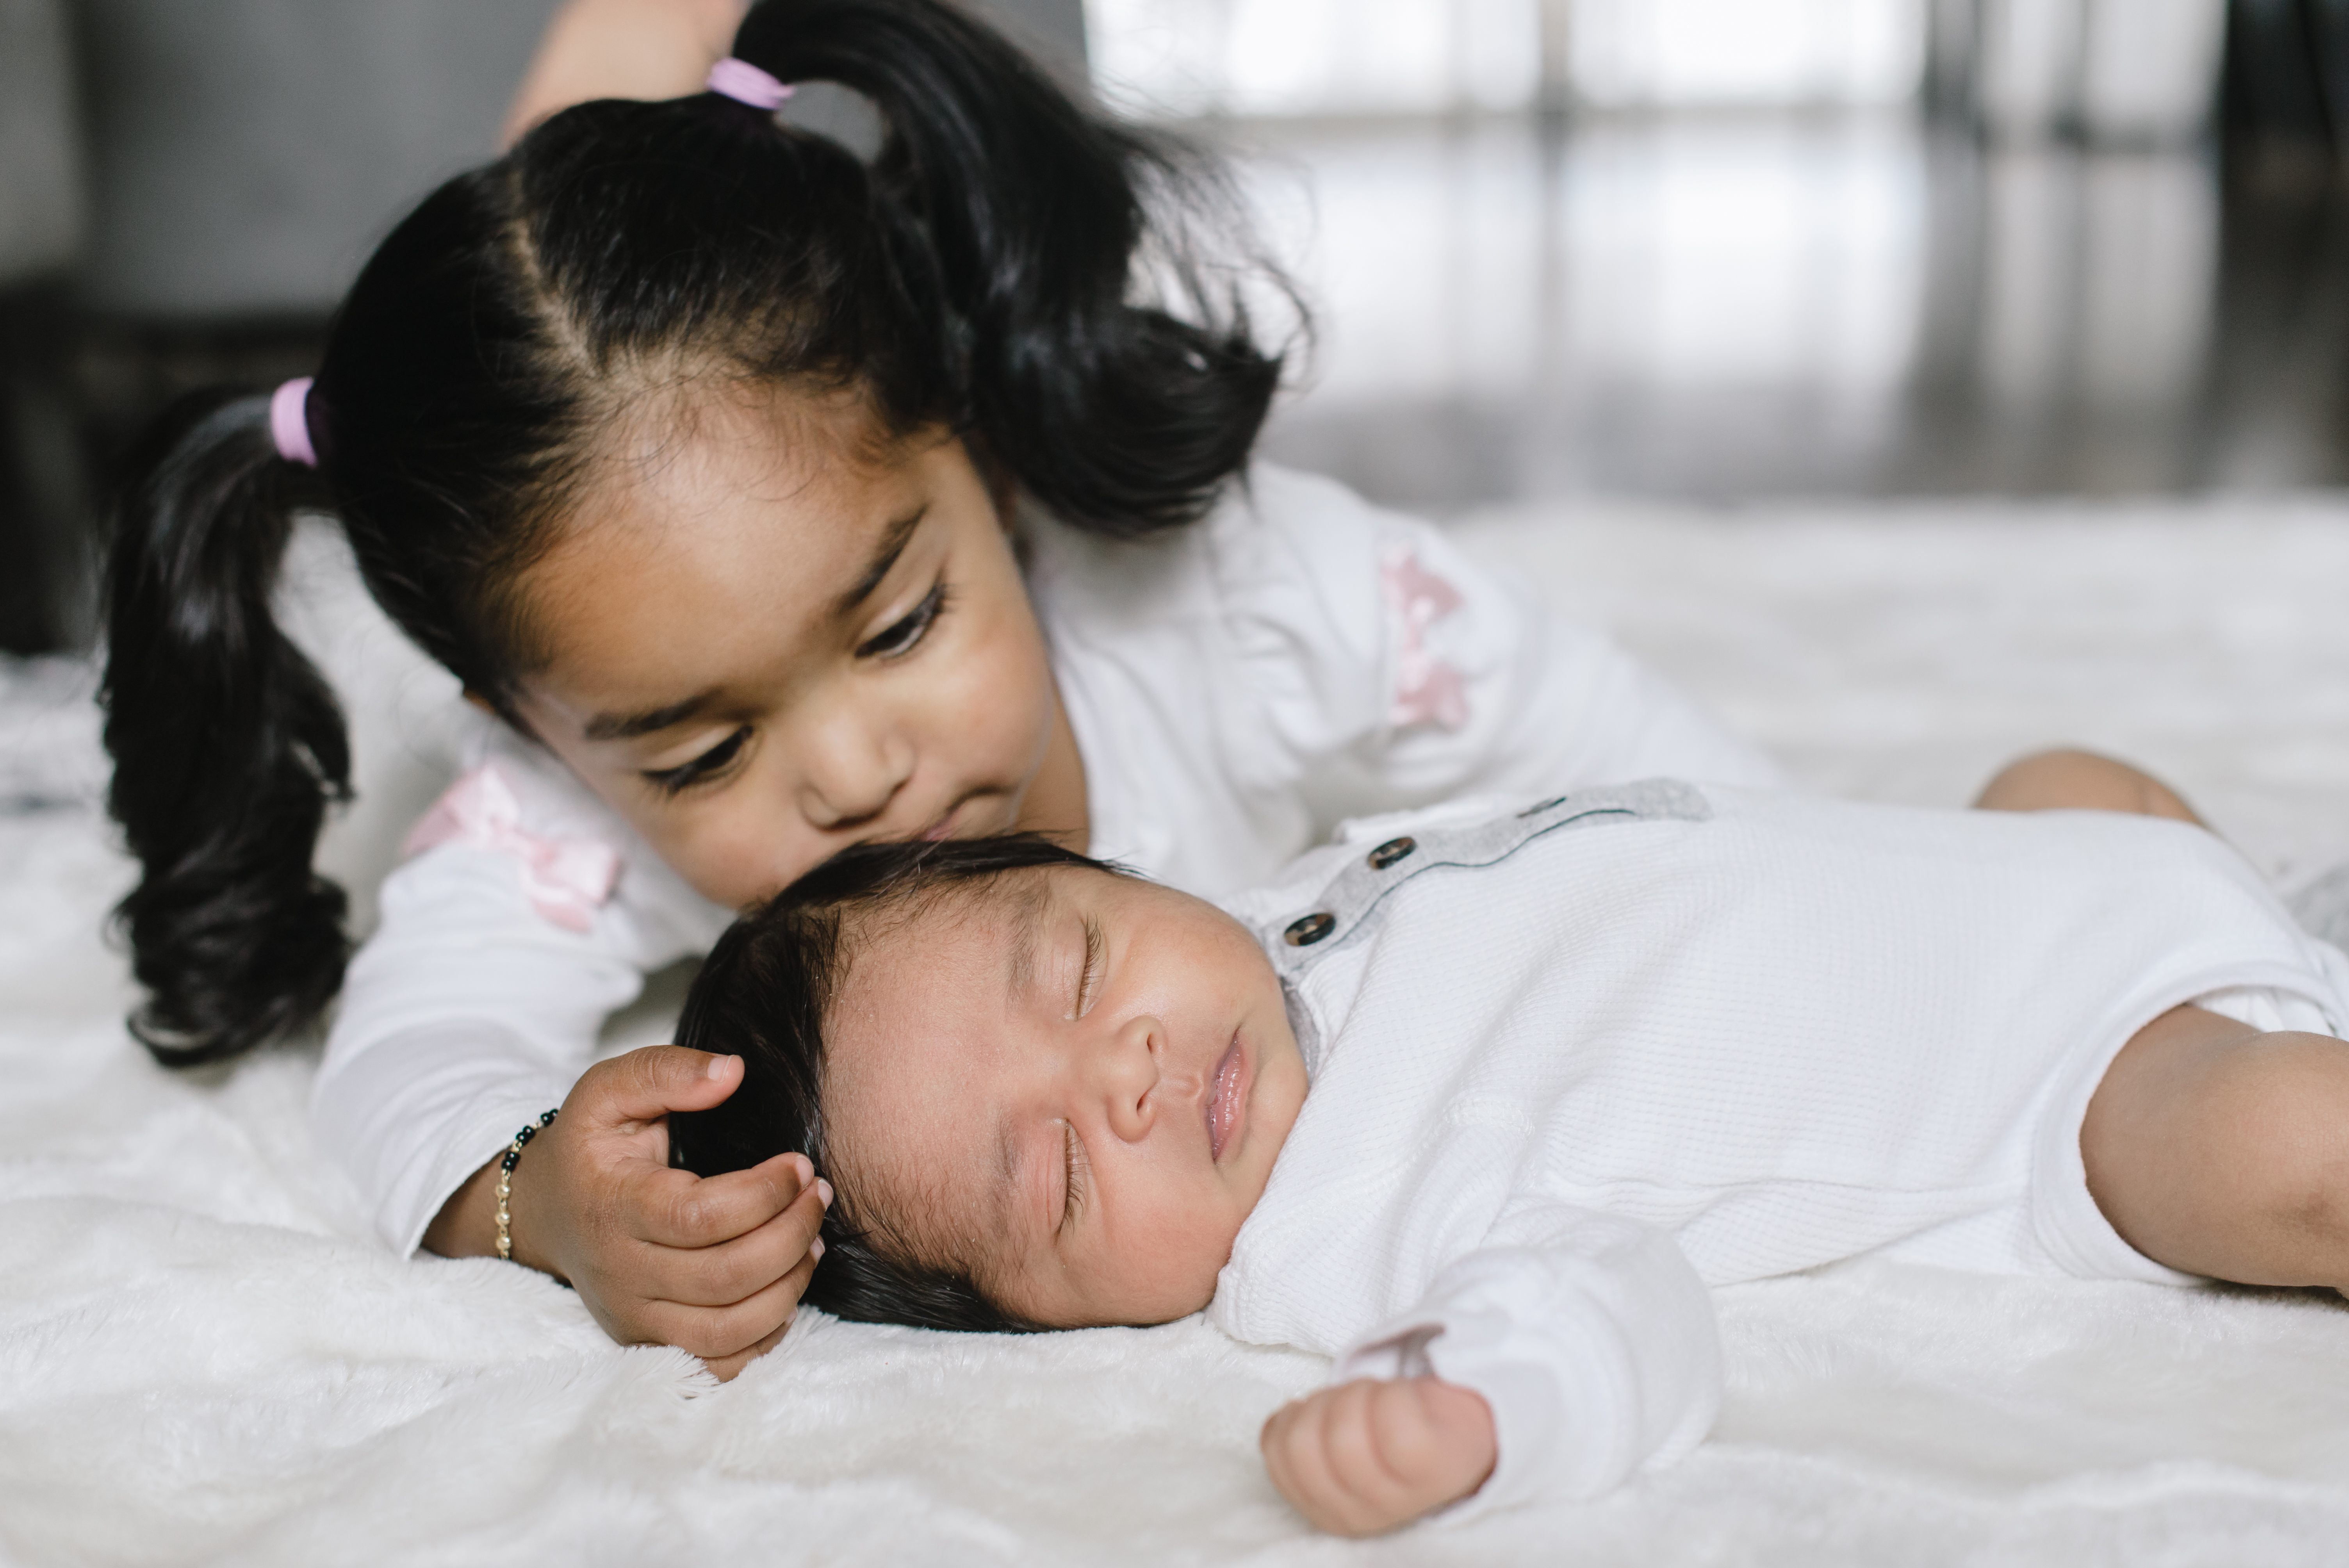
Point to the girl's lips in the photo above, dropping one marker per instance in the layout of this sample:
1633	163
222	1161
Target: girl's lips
1227	1098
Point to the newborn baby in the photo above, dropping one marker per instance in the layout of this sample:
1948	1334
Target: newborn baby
1479	1102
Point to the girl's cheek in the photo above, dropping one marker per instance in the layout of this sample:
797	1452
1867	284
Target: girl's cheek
736	855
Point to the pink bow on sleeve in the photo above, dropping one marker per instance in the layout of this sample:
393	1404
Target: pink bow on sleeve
1428	690
567	880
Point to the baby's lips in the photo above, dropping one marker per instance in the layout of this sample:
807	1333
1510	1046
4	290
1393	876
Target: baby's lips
1223	1100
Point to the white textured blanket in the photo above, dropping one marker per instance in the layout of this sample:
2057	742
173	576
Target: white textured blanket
205	1358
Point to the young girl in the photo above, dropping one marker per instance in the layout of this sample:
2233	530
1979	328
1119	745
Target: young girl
1478	1101
766	503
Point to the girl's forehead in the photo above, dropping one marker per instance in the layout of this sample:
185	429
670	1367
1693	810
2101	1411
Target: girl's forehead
677	454
697	570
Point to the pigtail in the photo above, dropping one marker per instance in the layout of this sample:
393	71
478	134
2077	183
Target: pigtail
227	743
1117	413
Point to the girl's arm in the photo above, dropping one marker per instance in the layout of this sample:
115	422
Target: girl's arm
621	48
658	1255
1387	653
471	1012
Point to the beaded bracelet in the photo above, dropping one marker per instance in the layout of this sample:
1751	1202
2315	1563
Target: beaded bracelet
505	1181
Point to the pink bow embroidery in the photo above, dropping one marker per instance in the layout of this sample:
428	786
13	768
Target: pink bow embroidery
567	880
1428	690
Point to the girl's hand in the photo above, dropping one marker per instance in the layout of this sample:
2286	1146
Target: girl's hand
660	1256
1367	1456
621	48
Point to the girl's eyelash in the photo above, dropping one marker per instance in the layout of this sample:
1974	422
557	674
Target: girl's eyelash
1072	1158
902	636
1092	970
685	776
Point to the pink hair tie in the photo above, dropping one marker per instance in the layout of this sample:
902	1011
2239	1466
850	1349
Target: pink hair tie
746	83
289	421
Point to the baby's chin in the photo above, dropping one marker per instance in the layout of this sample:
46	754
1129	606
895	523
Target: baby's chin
1140	1317
1144	1303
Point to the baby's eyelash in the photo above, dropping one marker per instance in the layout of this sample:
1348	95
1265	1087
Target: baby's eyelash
685	776
1092	971
903	635
1072	1158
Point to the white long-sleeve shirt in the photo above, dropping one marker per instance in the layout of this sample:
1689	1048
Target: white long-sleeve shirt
1571	1066
1235	689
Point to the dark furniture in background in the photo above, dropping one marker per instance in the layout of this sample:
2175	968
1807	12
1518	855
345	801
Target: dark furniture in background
185	189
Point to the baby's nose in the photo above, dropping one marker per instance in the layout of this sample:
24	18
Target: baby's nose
1126	1072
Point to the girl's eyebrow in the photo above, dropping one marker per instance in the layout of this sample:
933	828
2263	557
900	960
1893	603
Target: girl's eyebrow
629	725
892	544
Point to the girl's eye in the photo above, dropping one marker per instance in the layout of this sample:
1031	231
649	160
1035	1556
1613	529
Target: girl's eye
901	637
702	768
1072	1158
1092	970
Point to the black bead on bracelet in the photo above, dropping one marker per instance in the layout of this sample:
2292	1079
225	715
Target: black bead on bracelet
505	1180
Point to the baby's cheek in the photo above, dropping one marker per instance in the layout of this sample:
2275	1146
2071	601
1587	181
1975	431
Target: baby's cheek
1198	1255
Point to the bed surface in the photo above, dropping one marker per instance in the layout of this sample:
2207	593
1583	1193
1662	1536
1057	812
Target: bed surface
204	1356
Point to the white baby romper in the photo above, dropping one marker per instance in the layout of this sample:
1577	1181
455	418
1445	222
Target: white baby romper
1570	1066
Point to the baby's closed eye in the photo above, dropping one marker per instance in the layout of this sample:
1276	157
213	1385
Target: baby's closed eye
1088	972
1074	1171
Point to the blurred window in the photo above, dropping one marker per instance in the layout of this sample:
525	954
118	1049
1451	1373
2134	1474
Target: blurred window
1666	53
1416	56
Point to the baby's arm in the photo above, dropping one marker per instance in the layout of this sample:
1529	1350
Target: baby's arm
1366	1456
2212	1147
2220	1150
2082	780
1570	1350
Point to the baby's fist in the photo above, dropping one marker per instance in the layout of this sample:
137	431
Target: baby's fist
1364	1457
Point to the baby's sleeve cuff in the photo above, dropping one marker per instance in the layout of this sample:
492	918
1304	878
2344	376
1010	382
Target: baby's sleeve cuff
1598	1356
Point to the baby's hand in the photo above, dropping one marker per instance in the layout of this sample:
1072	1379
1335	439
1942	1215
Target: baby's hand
659	1255
1367	1456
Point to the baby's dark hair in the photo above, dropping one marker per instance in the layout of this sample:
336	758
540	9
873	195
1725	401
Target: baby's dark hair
764	994
1013	266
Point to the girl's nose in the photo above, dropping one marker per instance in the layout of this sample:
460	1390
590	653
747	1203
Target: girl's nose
851	767
1124	1072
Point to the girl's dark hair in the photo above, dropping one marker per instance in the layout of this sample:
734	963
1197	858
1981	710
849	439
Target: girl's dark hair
764	995
1013	266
